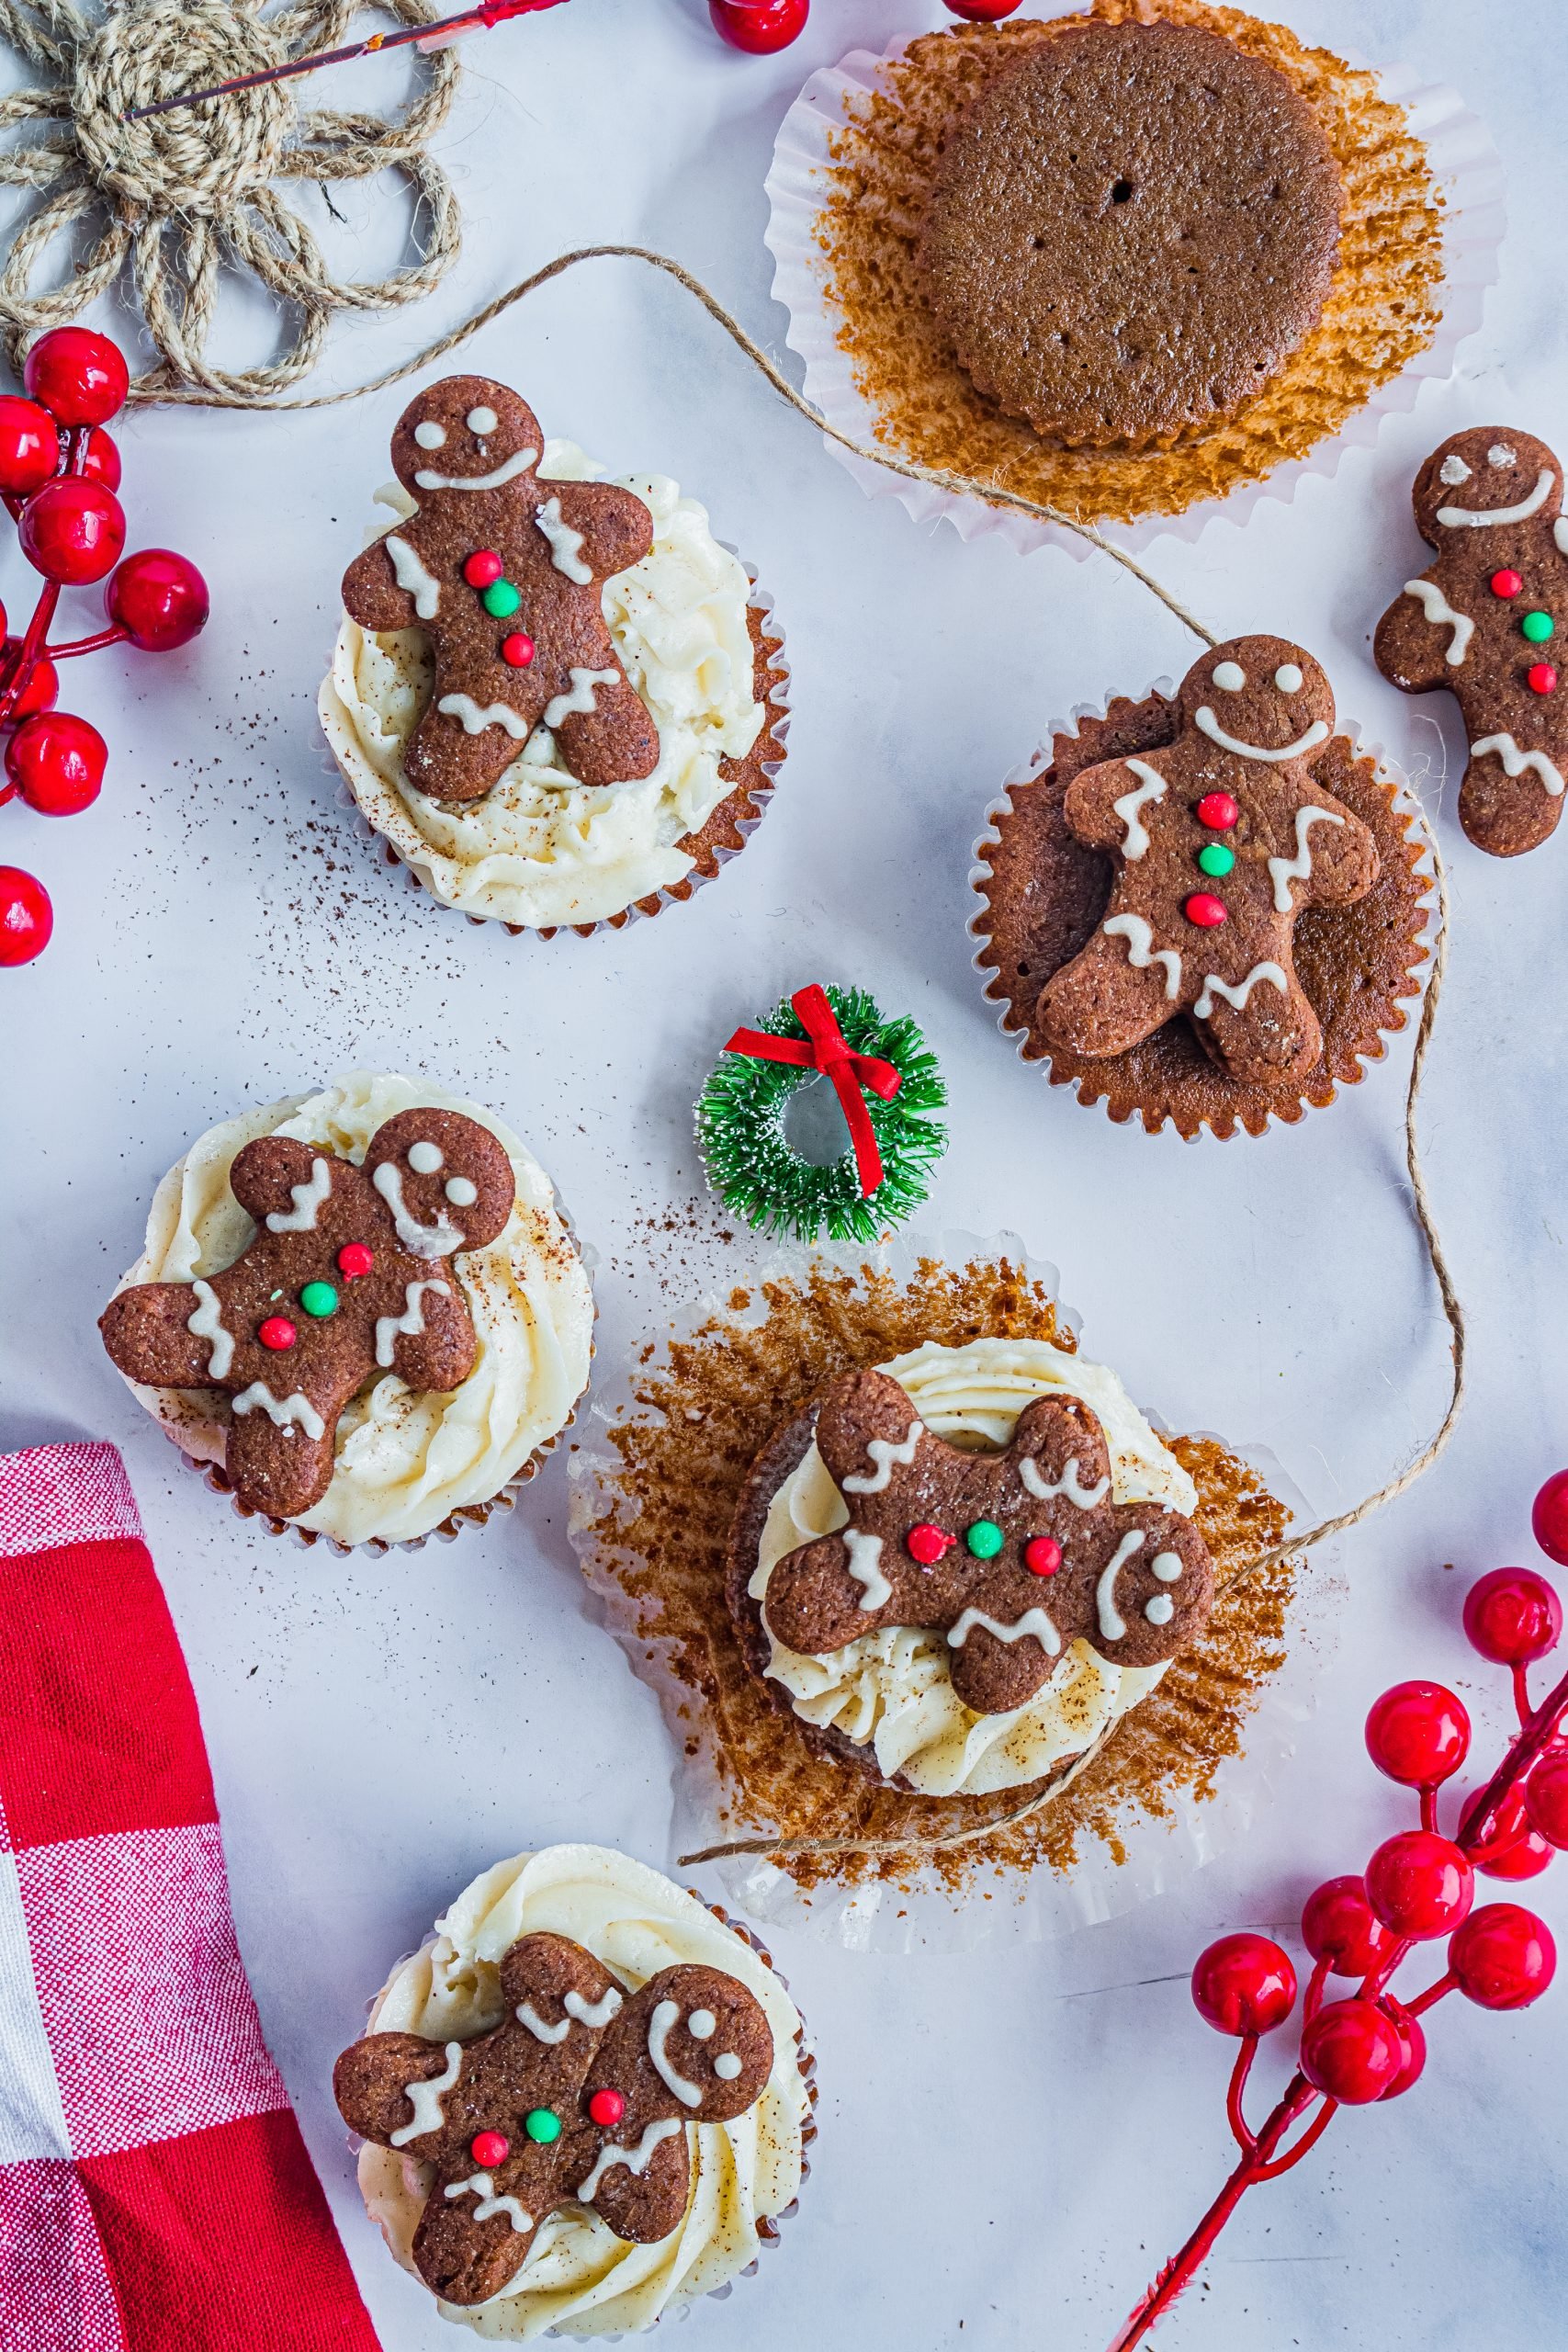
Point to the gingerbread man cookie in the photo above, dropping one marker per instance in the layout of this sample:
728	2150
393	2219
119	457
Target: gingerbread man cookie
1481	621
1013	1556
1220	840
348	1278
583	2091
504	573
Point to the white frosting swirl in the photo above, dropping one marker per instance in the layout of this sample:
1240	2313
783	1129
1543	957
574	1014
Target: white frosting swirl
405	1459
541	848
893	1691
580	2278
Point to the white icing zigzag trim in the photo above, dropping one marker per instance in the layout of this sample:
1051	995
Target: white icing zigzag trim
636	2159
1141	951
518	464
282	1410
1458	518
1033	1621
1153	787
1438	609
1283	871
1034	1481
412	1320
580	698
424	2098
424	1240
1515	761
413	578
866	1555
884	1453
206	1323
1205	720
594	2013
1213	986
307	1199
482	2186
565	543
527	2015
474	720
665	2017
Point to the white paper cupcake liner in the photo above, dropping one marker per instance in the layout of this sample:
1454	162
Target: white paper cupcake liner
1002	1902
1417	832
776	726
1465	167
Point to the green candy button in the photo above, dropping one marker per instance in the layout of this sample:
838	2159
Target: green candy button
500	600
1537	626
542	2124
985	1538
1215	858
319	1299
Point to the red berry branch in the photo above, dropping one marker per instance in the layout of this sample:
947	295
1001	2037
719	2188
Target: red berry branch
58	474
1418	1886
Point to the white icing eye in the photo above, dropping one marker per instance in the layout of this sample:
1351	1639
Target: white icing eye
1167	1565
461	1191
481	419
424	1159
430	436
1160	1609
1288	678
1453	470
1500	454
1230	677
727	2065
702	2023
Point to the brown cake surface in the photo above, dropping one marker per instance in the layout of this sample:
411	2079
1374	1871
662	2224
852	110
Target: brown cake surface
1134	227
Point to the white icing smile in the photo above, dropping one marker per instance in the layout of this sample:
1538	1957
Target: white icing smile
1033	1622
424	1240
665	2018
1113	1625
518	463
1475	518
1204	719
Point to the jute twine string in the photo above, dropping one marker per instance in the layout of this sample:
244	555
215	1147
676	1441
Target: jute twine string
176	196
996	495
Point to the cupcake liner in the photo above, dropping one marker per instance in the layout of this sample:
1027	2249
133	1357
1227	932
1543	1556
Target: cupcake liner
724	835
692	1660
1466	171
1415	832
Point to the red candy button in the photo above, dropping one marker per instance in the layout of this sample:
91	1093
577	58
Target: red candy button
927	1544
606	2109
277	1332
482	567
353	1260
517	651
1506	583
1207	912
1042	1555
1218	810
490	2149
1541	678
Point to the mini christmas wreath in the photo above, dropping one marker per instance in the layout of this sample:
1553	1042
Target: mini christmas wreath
888	1084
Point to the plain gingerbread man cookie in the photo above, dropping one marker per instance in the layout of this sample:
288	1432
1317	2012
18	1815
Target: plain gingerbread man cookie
348	1278
1220	838
583	2092
1012	1557
504	573
1482	621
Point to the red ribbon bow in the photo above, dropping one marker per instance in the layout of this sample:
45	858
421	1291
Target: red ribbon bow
823	1048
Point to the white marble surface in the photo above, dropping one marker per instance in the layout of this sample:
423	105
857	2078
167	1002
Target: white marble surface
1012	2137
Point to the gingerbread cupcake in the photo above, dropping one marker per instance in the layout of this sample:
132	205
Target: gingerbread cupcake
360	1310
1205	907
557	700
584	2103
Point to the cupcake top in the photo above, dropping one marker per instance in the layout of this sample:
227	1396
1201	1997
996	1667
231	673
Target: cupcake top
442	1394
542	847
591	1931
891	1693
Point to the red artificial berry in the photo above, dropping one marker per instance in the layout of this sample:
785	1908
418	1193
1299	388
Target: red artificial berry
1207	912
26	916
72	531
982	12
606	2109
29	446
355	1259
1546	1799
57	762
1420	1885
1515	1850
41	691
759	27
1218	811
1506	583
1244	1983
483	567
1412	2042
927	1544
1503	1957
1541	678
277	1332
1339	1924
1513	1615
517	651
80	376
101	459
490	2149
1042	1555
1418	1734
1549	1518
158	598
1351	2052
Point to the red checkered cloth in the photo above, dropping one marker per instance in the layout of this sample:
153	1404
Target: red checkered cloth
156	2195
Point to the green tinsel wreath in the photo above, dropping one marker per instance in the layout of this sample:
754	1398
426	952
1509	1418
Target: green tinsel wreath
758	1174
